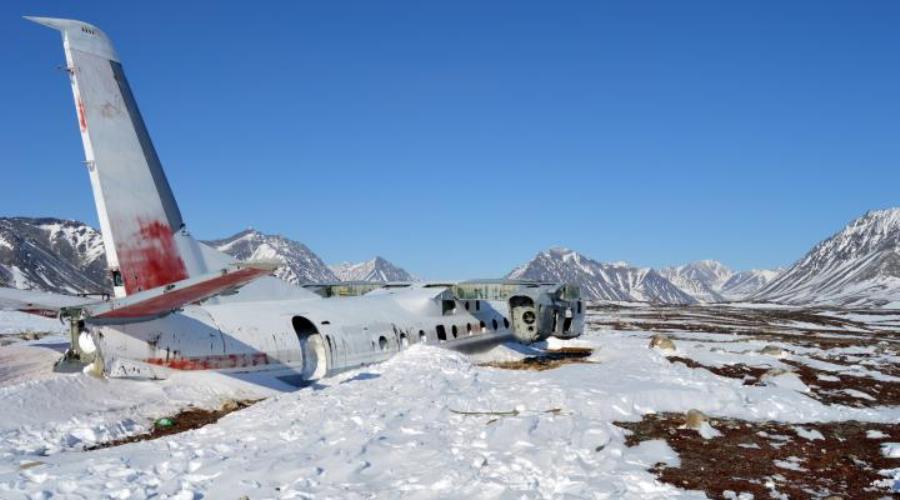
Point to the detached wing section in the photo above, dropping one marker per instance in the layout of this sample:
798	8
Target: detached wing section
163	300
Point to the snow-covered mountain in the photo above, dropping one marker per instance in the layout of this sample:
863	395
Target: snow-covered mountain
377	269
617	281
55	255
712	281
301	265
858	266
743	284
703	279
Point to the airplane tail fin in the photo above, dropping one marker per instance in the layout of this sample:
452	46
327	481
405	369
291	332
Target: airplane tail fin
146	242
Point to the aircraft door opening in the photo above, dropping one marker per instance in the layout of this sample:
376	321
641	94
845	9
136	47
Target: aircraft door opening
312	348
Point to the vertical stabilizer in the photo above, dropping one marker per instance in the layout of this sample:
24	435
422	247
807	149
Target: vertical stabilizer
146	242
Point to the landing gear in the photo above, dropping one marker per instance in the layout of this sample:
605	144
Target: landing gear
81	351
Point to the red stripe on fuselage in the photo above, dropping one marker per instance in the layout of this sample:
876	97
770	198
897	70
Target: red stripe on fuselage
212	362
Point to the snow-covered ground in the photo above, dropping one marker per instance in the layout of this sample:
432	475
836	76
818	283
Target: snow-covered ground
15	323
394	429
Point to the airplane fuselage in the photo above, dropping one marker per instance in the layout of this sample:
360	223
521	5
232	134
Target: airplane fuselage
313	337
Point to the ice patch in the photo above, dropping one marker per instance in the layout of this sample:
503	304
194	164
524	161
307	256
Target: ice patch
790	463
809	434
890	450
651	452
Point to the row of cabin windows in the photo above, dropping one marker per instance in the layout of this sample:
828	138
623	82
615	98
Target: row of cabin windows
442	332
439	329
477	305
448	307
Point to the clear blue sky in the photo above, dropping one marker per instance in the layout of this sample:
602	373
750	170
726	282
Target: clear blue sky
459	138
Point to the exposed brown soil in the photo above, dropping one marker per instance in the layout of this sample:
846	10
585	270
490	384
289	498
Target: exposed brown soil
846	462
551	359
826	391
185	420
862	359
801	327
832	392
750	374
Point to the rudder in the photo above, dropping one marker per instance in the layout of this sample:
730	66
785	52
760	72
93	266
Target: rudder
146	242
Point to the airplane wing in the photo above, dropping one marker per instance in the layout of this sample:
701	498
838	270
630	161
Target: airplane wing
36	302
157	302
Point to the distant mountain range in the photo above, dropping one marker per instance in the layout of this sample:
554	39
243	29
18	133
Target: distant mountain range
703	281
65	256
600	281
859	266
377	269
712	281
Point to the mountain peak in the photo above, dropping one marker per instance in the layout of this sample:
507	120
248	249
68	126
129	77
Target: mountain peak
857	266
301	265
377	269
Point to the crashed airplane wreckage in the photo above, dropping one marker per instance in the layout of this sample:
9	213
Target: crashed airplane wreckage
181	305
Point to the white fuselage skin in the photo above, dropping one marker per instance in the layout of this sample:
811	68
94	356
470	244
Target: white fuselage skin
262	335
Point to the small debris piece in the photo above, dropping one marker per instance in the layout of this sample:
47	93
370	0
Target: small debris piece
510	413
772	350
662	342
694	419
549	360
163	423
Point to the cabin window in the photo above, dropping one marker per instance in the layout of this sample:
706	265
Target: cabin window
404	342
477	305
454	330
382	343
448	307
441	333
505	323
117	278
483	326
579	307
467	305
494	323
422	338
469	328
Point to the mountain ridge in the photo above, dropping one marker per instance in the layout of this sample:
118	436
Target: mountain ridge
857	266
377	269
300	265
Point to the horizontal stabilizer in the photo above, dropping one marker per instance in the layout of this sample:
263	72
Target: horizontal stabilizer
42	303
163	300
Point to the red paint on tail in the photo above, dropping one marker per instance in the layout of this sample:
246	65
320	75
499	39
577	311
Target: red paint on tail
150	258
82	121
